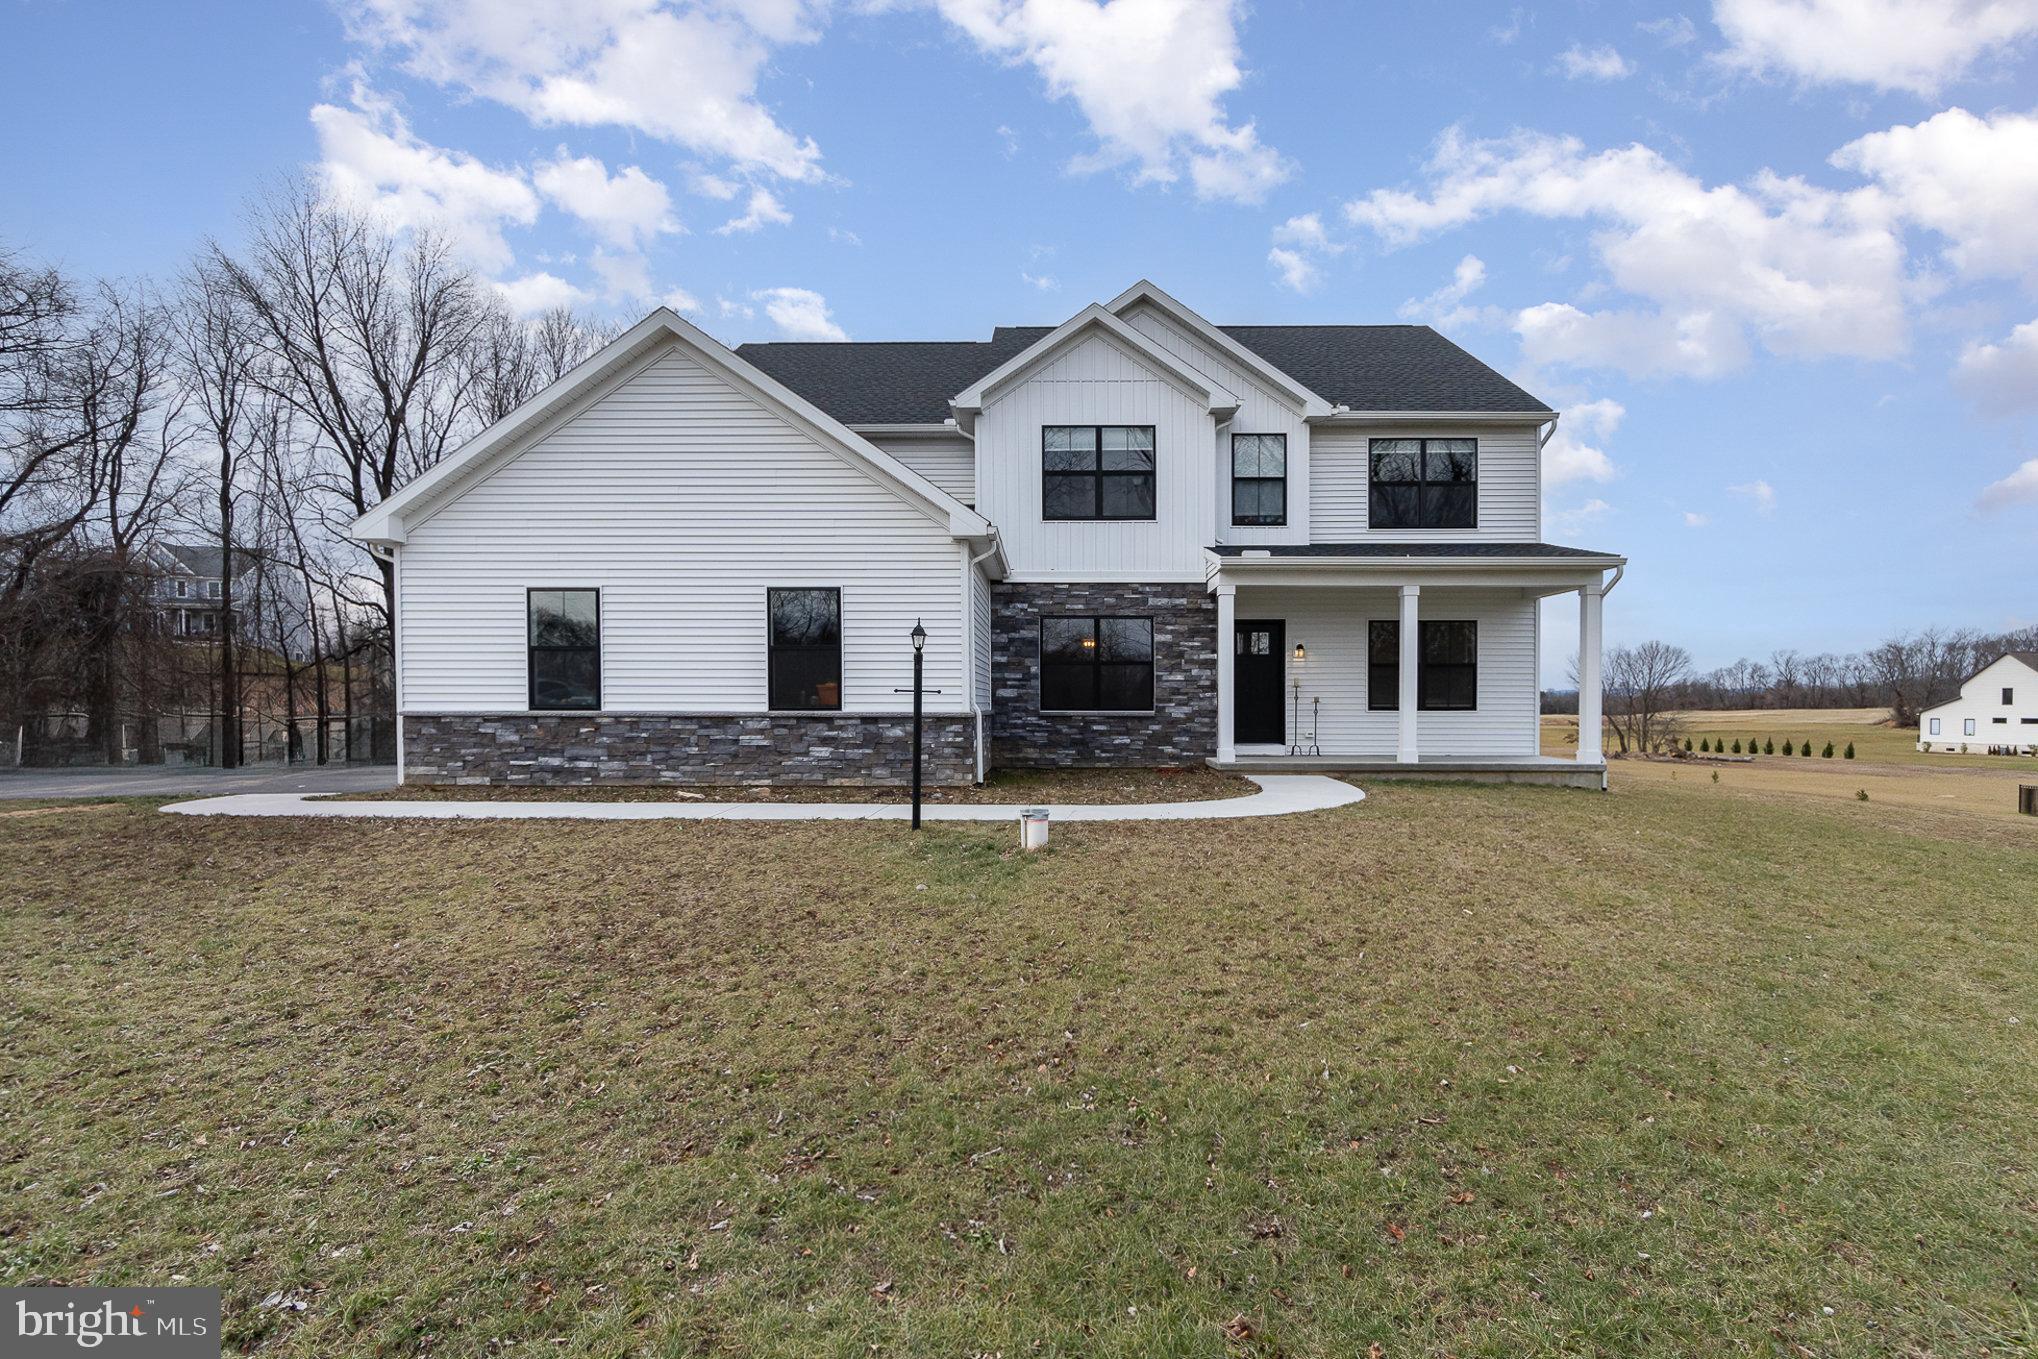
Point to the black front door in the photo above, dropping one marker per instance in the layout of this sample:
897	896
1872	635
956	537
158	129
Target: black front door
1256	673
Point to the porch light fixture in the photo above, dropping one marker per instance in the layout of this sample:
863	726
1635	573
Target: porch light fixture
1301	652
919	635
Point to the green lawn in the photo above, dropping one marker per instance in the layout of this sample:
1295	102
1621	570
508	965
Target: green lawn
1465	1071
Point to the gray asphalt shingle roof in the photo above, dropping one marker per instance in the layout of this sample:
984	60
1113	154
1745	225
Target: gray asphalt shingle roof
1472	551
1366	368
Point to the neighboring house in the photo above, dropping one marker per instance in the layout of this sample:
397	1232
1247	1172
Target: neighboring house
1997	710
269	598
1135	538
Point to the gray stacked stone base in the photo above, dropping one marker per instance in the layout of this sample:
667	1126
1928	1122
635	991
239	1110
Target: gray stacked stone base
822	749
1182	728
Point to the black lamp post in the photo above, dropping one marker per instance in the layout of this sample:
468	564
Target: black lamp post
919	646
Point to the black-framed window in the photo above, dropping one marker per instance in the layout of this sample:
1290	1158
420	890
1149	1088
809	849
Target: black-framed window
564	638
1259	479
2009	697
1096	665
1096	472
1424	484
806	649
1446	665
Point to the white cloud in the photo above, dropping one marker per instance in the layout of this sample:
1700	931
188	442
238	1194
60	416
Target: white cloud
714	186
1693	519
729	307
1972	180
1674	30
1150	76
1759	493
1583	516
1712	270
1300	245
625	210
1298	271
1047	283
688	76
2018	488
2002	377
799	313
1593	63
1569	457
679	299
539	292
368	155
625	276
1914	45
1444	307
843	236
764	210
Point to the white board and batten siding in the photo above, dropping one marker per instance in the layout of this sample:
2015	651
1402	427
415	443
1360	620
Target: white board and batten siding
682	498
1260	411
1331	623
1098	381
1510	508
947	460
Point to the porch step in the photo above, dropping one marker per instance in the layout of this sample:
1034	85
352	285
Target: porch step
1541	770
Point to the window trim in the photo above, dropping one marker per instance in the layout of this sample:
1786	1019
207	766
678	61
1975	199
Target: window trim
1422	668
772	648
1932	728
1967	726
530	672
1099	475
1425	441
1096	667
1260	522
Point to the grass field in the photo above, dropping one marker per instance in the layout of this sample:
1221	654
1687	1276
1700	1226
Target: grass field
1458	1070
1873	739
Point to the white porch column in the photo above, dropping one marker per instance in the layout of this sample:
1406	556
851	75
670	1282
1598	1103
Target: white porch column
1590	746
1227	641
1405	745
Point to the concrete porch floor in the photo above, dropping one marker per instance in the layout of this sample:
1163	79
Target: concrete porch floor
1534	769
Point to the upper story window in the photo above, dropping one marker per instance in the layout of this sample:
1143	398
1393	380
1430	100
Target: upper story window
212	589
2009	697
805	660
1096	472
1424	484
1446	666
183	589
1096	664
1259	479
565	649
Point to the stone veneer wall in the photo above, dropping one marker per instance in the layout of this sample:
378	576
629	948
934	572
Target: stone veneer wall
1182	729
818	748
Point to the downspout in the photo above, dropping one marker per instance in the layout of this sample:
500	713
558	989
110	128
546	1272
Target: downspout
389	554
976	709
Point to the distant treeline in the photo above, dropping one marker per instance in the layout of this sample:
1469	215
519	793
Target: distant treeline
1906	674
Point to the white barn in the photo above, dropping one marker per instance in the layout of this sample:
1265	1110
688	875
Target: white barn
1996	713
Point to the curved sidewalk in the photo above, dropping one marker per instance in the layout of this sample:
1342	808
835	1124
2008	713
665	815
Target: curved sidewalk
1279	795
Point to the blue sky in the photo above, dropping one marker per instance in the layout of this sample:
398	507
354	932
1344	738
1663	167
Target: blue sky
1771	256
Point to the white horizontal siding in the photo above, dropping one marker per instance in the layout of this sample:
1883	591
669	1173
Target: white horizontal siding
1332	625
682	498
1509	485
1098	382
1260	411
947	460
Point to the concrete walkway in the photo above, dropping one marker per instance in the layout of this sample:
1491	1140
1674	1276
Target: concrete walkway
1279	795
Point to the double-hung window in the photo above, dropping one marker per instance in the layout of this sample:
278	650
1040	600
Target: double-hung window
564	638
1967	726
1096	665
2009	697
1096	472
806	649
1934	730
1424	484
1446	666
1259	479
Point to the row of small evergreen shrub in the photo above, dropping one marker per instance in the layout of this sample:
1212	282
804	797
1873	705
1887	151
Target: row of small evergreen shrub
1717	745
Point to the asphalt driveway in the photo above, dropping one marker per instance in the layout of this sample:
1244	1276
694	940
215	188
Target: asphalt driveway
158	781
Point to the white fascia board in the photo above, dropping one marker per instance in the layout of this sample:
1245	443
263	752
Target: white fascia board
1313	406
385	523
1341	416
1217	400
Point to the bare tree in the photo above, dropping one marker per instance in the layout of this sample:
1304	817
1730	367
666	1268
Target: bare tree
513	360
1643	686
366	337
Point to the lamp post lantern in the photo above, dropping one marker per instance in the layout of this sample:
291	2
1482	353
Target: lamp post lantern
919	658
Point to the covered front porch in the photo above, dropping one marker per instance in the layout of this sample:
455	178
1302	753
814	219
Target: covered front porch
1401	659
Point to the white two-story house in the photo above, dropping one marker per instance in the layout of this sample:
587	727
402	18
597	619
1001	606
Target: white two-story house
1135	538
